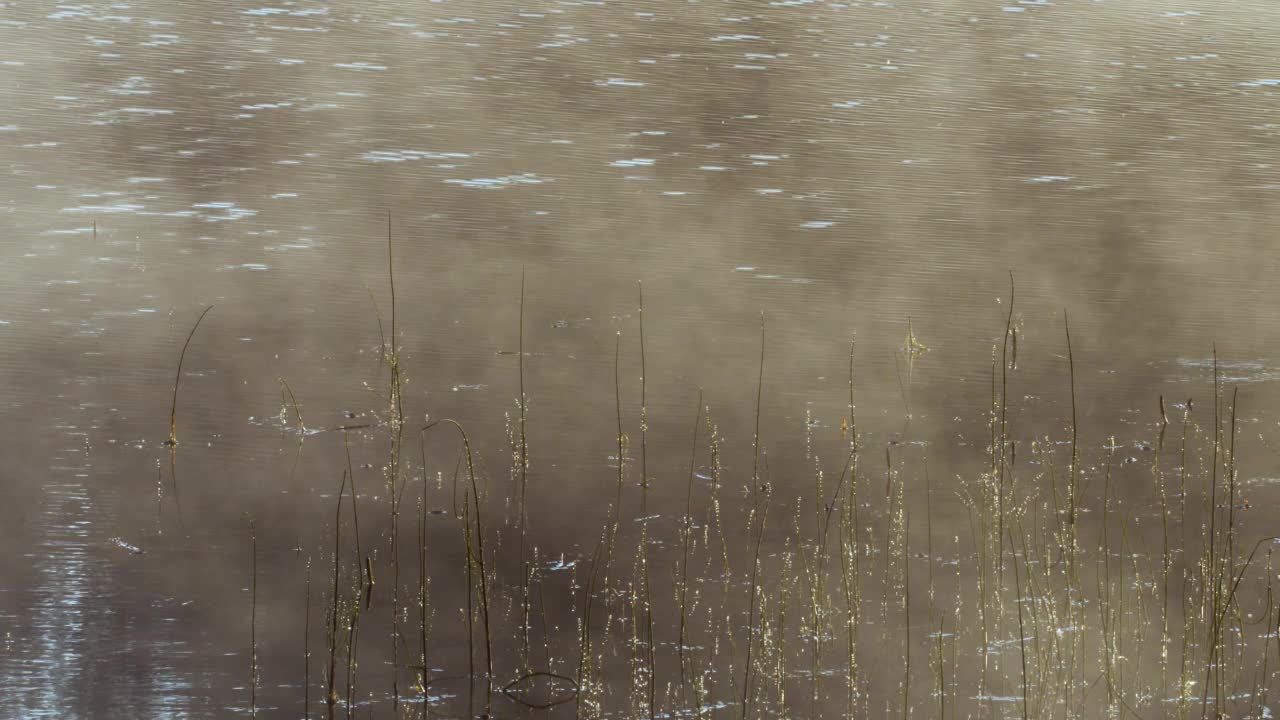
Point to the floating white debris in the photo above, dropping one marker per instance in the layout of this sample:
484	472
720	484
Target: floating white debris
105	209
499	182
72	231
359	66
633	162
406	155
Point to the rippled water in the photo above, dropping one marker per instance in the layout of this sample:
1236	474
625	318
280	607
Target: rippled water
841	166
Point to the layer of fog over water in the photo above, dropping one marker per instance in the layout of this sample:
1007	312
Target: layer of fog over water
842	167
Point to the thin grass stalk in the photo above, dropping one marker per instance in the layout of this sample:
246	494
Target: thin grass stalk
928	526
424	622
585	644
849	554
1270	630
479	555
331	695
1004	430
366	587
755	500
650	644
471	644
396	411
942	684
253	621
688	536
1214	579
353	643
1105	605
1022	634
524	485
644	513
177	379
906	614
1231	485
306	647
1165	560
621	438
1074	614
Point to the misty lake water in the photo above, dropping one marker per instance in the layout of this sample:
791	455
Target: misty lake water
869	171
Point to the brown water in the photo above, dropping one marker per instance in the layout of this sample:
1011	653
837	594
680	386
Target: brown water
840	166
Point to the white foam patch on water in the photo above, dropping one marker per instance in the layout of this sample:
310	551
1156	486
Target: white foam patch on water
72	231
817	224
105	209
269	11
229	211
408	155
359	66
162	40
499	183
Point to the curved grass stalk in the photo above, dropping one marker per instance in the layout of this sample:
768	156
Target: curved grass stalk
177	379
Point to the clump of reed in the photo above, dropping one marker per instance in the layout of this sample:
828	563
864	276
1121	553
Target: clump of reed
1055	607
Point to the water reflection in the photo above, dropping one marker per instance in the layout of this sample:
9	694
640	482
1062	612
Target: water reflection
843	165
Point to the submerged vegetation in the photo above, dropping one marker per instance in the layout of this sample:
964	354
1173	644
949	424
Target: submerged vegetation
836	600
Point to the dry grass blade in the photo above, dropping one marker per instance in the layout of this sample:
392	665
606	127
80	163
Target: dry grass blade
177	380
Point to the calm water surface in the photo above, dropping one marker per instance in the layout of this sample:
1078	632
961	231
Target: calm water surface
840	166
